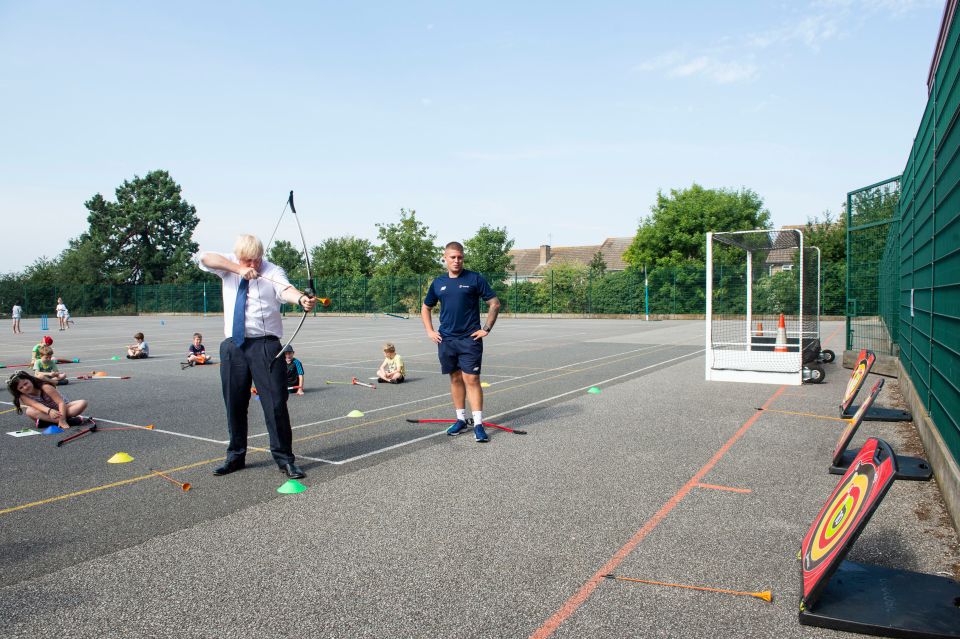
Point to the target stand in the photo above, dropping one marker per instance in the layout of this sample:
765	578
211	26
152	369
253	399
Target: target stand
855	597
865	362
909	468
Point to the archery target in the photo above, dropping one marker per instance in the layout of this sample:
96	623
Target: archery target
855	422
845	514
865	361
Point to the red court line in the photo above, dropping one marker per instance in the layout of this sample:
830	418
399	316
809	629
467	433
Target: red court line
570	605
730	488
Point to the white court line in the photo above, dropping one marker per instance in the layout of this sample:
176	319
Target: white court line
161	430
447	394
513	410
433	352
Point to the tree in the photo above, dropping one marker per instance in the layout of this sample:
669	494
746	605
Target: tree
676	230
407	247
830	236
598	265
286	256
81	263
487	252
346	256
145	237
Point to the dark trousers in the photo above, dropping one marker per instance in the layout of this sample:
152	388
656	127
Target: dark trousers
254	362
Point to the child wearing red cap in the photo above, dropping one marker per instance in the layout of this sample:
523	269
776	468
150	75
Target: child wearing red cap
46	341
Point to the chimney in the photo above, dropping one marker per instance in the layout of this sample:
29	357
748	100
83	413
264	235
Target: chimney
544	254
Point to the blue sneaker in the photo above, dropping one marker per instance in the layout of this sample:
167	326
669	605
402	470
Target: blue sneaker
480	434
458	427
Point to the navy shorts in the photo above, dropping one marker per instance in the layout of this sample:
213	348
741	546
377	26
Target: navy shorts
460	354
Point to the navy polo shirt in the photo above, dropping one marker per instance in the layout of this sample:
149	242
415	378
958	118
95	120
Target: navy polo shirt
459	299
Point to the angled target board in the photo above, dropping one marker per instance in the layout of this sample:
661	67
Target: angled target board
855	597
861	369
911	468
865	361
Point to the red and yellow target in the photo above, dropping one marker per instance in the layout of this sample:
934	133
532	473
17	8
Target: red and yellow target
844	515
865	362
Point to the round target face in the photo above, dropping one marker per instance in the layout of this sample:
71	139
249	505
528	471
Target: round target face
845	514
839	514
854	382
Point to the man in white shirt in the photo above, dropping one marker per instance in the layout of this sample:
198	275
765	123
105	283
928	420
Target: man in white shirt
253	330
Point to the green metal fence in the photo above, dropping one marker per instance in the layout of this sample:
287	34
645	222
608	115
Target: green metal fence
564	291
915	279
870	291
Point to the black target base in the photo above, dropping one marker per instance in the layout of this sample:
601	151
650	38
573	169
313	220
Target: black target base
880	414
887	602
908	468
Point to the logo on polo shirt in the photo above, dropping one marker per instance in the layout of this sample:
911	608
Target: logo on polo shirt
464	286
443	288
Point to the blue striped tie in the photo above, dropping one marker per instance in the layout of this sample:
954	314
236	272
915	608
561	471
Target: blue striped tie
239	313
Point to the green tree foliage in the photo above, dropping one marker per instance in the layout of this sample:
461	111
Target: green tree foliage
286	256
145	237
598	265
830	235
487	253
343	257
81	263
407	247
676	230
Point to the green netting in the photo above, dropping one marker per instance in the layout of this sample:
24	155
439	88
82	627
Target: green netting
871	213
565	291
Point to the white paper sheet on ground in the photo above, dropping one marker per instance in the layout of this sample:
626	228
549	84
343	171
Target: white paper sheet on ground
26	432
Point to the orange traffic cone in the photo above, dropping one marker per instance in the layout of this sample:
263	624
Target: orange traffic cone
760	329
781	346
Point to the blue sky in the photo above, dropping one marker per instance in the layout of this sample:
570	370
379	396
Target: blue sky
558	120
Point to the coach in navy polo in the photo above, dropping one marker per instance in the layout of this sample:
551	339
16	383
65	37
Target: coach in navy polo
460	337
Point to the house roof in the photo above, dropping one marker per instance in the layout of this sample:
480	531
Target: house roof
526	261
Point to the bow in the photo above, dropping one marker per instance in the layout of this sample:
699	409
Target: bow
309	290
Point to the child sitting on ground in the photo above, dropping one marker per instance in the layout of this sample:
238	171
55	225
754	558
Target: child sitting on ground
45	368
294	371
140	350
46	341
43	404
197	353
392	370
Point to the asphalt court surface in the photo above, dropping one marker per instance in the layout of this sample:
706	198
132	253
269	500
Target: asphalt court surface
527	363
406	532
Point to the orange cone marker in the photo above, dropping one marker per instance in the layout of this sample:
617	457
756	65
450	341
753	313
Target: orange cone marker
781	346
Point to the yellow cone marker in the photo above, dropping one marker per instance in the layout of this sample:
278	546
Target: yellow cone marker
354	413
120	458
484	384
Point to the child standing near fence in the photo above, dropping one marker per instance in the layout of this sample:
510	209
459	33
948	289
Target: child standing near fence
62	313
15	314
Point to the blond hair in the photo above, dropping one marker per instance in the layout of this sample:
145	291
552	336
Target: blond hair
44	350
389	348
248	247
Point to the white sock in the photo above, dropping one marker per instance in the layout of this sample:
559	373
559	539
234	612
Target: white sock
478	418
462	414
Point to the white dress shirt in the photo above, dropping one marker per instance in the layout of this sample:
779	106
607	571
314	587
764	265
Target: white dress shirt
262	315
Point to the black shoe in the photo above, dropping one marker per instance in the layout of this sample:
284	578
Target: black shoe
293	471
229	467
